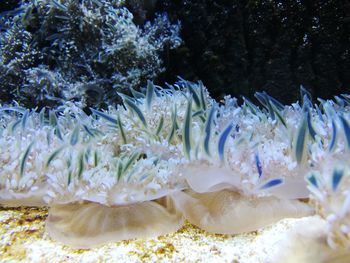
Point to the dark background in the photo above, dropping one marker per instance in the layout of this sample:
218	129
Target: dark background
239	47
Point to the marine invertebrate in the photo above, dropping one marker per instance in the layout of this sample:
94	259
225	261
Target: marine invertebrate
229	212
90	49
85	225
62	162
324	238
329	181
167	153
330	192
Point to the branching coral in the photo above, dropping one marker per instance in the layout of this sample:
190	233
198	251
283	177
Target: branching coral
90	49
171	151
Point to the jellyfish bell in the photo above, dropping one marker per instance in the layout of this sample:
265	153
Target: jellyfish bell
88	224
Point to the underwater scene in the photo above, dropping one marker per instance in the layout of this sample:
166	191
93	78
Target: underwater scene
174	131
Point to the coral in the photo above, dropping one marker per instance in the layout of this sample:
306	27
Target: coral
85	51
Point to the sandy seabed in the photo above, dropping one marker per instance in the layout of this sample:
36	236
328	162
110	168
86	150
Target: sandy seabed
23	238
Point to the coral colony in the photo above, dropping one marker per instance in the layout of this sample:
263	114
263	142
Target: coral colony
165	155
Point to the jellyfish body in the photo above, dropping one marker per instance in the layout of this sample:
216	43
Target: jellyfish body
90	224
